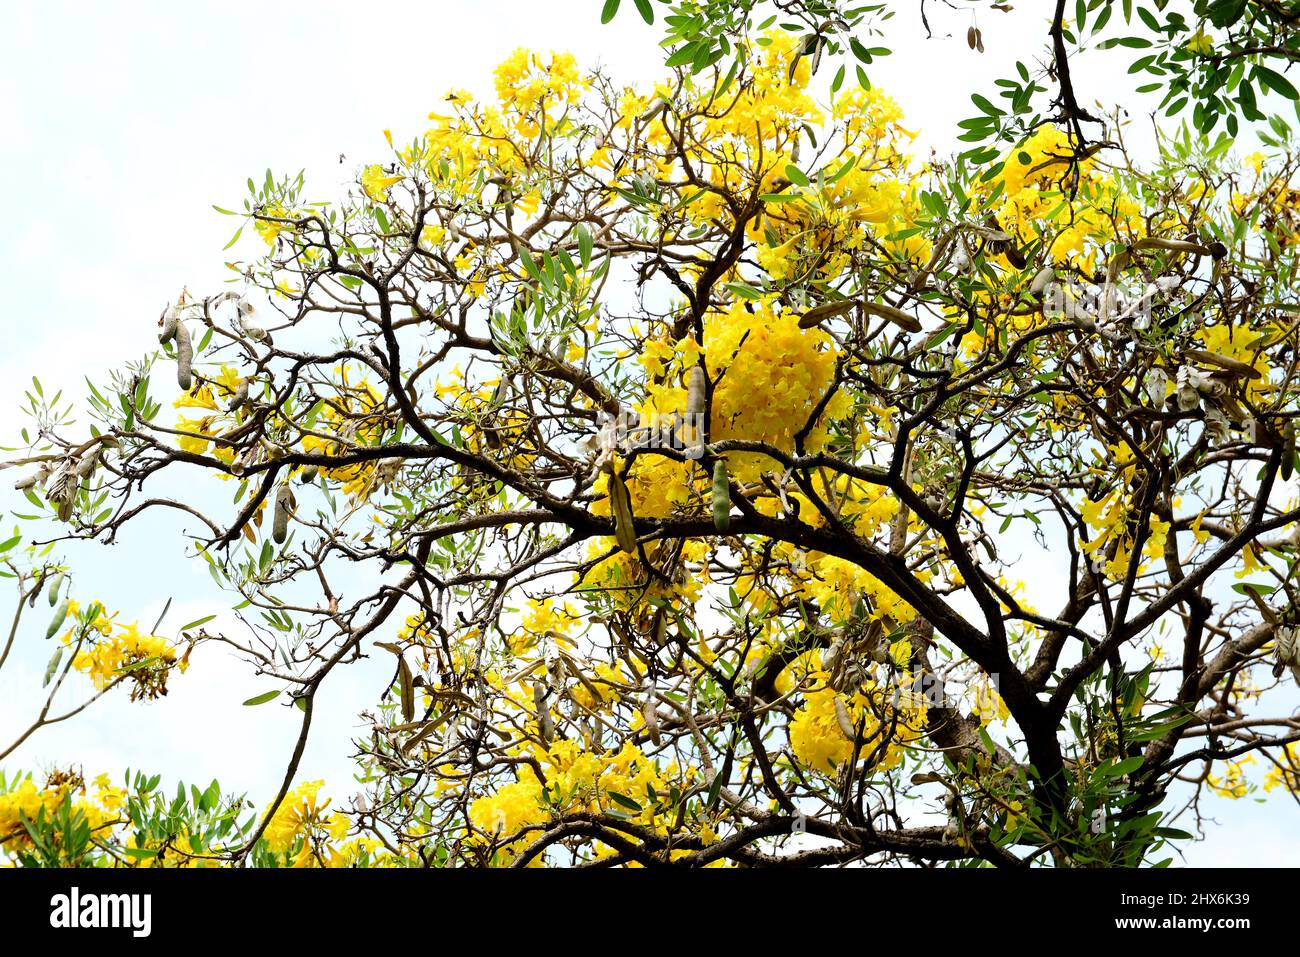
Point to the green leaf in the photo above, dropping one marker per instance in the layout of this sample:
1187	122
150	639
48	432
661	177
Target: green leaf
643	8
624	800
608	13
196	623
262	698
797	176
1276	82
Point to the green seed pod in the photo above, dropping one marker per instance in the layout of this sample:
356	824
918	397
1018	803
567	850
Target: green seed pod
408	690
60	615
309	474
283	505
721	496
184	357
55	586
620	503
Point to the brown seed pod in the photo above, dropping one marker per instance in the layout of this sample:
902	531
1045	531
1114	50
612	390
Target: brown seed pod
283	506
184	357
1172	245
825	311
1235	366
896	316
970	37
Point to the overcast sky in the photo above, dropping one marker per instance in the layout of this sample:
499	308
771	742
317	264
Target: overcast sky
121	124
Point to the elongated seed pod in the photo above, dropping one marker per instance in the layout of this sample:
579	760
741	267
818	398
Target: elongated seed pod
60	615
1235	366
697	385
1288	450
283	505
970	37
620	503
55	587
241	396
184	357
896	316
170	321
825	311
546	726
86	464
650	715
539	694
1173	245
721	496
1038	285
407	683
843	719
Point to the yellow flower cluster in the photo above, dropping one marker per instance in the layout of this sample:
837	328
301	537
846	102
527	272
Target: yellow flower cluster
26	803
111	651
818	738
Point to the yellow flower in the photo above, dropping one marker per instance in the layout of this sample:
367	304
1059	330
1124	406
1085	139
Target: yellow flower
376	182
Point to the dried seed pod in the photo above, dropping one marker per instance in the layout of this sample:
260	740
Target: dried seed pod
546	726
1288	450
1285	648
826	310
1172	245
246	325
970	37
60	615
897	316
26	482
650	715
87	463
283	506
979	39
1235	366
539	694
241	396
170	321
721	496
184	357
843	719
1042	279
697	385
620	503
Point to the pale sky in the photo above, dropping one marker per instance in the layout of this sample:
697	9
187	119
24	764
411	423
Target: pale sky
121	124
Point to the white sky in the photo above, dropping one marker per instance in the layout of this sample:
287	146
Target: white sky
121	124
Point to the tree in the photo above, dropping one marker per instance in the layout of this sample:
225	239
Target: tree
1212	59
680	448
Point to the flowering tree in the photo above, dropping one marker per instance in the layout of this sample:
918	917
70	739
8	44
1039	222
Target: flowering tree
723	485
